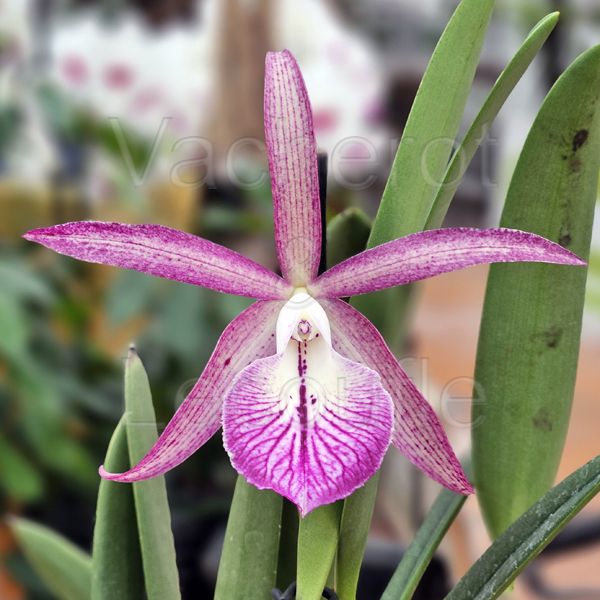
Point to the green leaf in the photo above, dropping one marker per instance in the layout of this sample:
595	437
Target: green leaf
422	157
529	339
354	530
432	125
406	203
528	536
402	298
116	558
151	502
18	478
418	555
317	544
506	82
248	566
347	235
64	568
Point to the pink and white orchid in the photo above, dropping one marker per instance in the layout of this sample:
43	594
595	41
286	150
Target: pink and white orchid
307	392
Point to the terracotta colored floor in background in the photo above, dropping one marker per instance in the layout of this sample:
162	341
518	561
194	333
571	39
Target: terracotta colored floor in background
446	329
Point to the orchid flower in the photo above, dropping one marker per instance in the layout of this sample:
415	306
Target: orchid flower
307	392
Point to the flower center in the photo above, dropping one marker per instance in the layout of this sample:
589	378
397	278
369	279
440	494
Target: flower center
303	319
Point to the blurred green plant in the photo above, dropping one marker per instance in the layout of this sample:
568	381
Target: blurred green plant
34	398
66	570
78	126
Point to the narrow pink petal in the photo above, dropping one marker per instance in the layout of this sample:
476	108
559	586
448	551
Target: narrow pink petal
309	424
418	433
163	252
292	154
248	337
430	253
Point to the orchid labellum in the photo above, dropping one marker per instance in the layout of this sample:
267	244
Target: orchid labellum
306	390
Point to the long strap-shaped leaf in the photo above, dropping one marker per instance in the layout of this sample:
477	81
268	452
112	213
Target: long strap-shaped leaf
528	536
151	504
529	339
64	568
409	193
427	141
506	82
354	530
447	505
432	125
347	235
418	555
463	156
116	559
317	544
248	566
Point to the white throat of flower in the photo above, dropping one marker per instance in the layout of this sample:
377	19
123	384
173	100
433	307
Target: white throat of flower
302	318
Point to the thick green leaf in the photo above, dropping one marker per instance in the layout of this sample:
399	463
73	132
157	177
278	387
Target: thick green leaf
317	545
508	79
427	142
416	174
354	530
506	82
64	568
347	235
529	339
116	558
528	536
151	502
248	566
402	298
418	555
428	137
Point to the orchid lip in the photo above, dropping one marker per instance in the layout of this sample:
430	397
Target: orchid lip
307	422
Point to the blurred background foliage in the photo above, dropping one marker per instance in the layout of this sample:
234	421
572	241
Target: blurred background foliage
152	112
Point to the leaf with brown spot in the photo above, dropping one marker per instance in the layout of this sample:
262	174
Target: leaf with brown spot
529	340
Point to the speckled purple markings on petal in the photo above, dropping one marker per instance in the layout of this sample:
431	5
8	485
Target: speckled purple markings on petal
418	433
292	152
430	253
246	338
313	440
163	252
